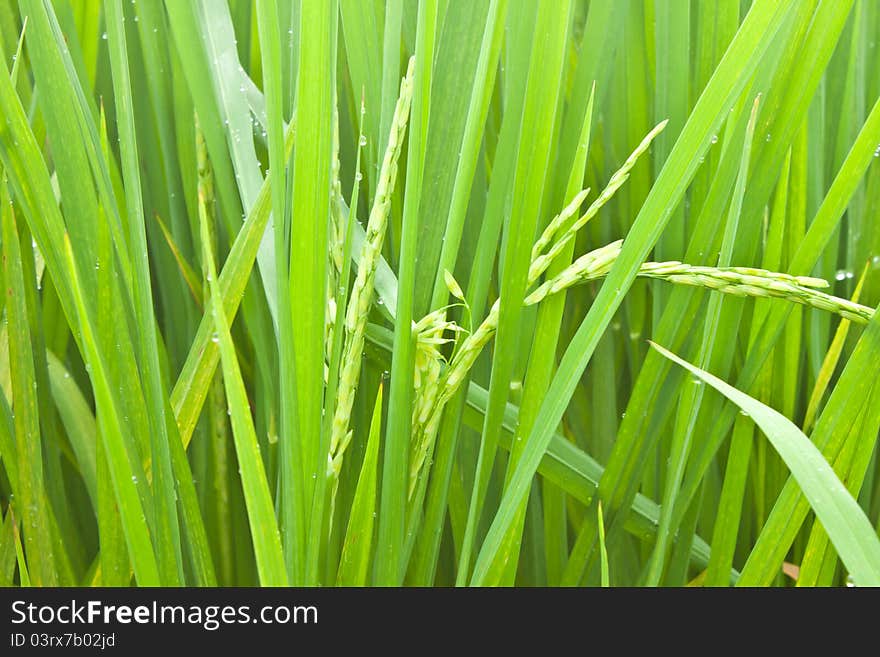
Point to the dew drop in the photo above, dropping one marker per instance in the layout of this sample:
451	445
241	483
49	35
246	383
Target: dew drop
104	36
714	139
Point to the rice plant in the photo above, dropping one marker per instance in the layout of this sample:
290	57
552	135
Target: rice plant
436	293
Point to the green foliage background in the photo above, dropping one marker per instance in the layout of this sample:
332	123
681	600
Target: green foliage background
266	313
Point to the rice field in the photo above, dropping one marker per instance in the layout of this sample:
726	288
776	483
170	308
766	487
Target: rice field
439	293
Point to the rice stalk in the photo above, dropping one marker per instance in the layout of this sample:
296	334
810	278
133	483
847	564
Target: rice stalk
362	292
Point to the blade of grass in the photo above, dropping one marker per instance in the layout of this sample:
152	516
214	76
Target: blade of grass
7	550
24	578
166	533
56	98
671	101
545	71
8	451
391	36
28	439
355	561
192	384
389	547
540	371
114	566
726	528
137	536
59	74
455	93
715	23
261	514
847	526
151	65
361	32
692	396
291	508
820	559
601	35
830	362
309	235
186	270
225	73
603	551
78	421
483	84
680	560
70	553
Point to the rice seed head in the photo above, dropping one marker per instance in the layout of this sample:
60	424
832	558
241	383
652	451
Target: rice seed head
589	266
452	285
540	263
749	281
557	222
362	292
